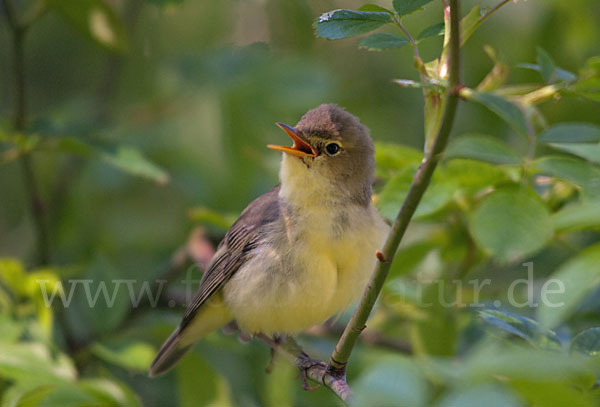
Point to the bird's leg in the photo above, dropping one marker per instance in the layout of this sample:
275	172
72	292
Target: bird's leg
277	341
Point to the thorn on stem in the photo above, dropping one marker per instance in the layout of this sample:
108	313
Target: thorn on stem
381	257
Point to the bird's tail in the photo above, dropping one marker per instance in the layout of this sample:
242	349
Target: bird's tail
169	354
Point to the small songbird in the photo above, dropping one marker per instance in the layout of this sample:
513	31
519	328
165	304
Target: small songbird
300	253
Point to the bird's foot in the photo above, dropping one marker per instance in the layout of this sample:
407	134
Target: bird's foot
305	363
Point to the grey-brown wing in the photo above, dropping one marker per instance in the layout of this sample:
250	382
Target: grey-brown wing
234	249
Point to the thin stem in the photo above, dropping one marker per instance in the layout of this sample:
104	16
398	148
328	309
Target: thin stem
492	11
412	41
37	207
341	354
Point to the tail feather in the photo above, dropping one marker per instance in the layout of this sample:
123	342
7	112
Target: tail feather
169	354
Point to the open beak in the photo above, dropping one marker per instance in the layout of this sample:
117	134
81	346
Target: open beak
300	148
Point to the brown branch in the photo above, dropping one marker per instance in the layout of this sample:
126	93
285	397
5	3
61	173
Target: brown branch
341	354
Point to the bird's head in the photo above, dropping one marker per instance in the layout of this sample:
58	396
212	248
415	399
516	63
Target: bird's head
332	157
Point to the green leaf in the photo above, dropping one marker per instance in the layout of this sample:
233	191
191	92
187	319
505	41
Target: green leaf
511	223
404	7
132	161
587	342
507	110
432	31
469	23
131	355
588	151
572	132
95	19
546	64
588	82
394	381
164	3
577	216
523	327
482	147
197	382
207	216
572	170
392	158
497	75
579	276
559	73
486	394
374	7
347	23
381	41
557	393
30	361
395	191
110	392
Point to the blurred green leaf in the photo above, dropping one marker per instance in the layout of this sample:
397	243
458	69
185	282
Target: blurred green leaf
95	19
164	3
11	329
523	327
579	276
469	23
497	75
483	148
381	41
197	382
33	362
507	110
20	396
210	217
478	395
546	64
132	161
392	158
589	151
393	194
588	82
404	7
110	392
511	223
571	133
578	172
131	355
555	393
394	381
347	23
587	342
577	216
12	273
435	30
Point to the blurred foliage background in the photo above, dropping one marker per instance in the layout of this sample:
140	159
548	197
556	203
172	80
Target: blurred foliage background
147	119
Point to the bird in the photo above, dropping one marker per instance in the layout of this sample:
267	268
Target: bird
302	252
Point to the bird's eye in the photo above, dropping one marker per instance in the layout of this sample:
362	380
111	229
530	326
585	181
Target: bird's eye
332	148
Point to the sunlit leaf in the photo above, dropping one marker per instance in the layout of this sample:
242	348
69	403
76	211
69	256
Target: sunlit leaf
511	223
483	148
95	19
133	161
578	276
131	355
404	7
381	41
347	23
469	23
